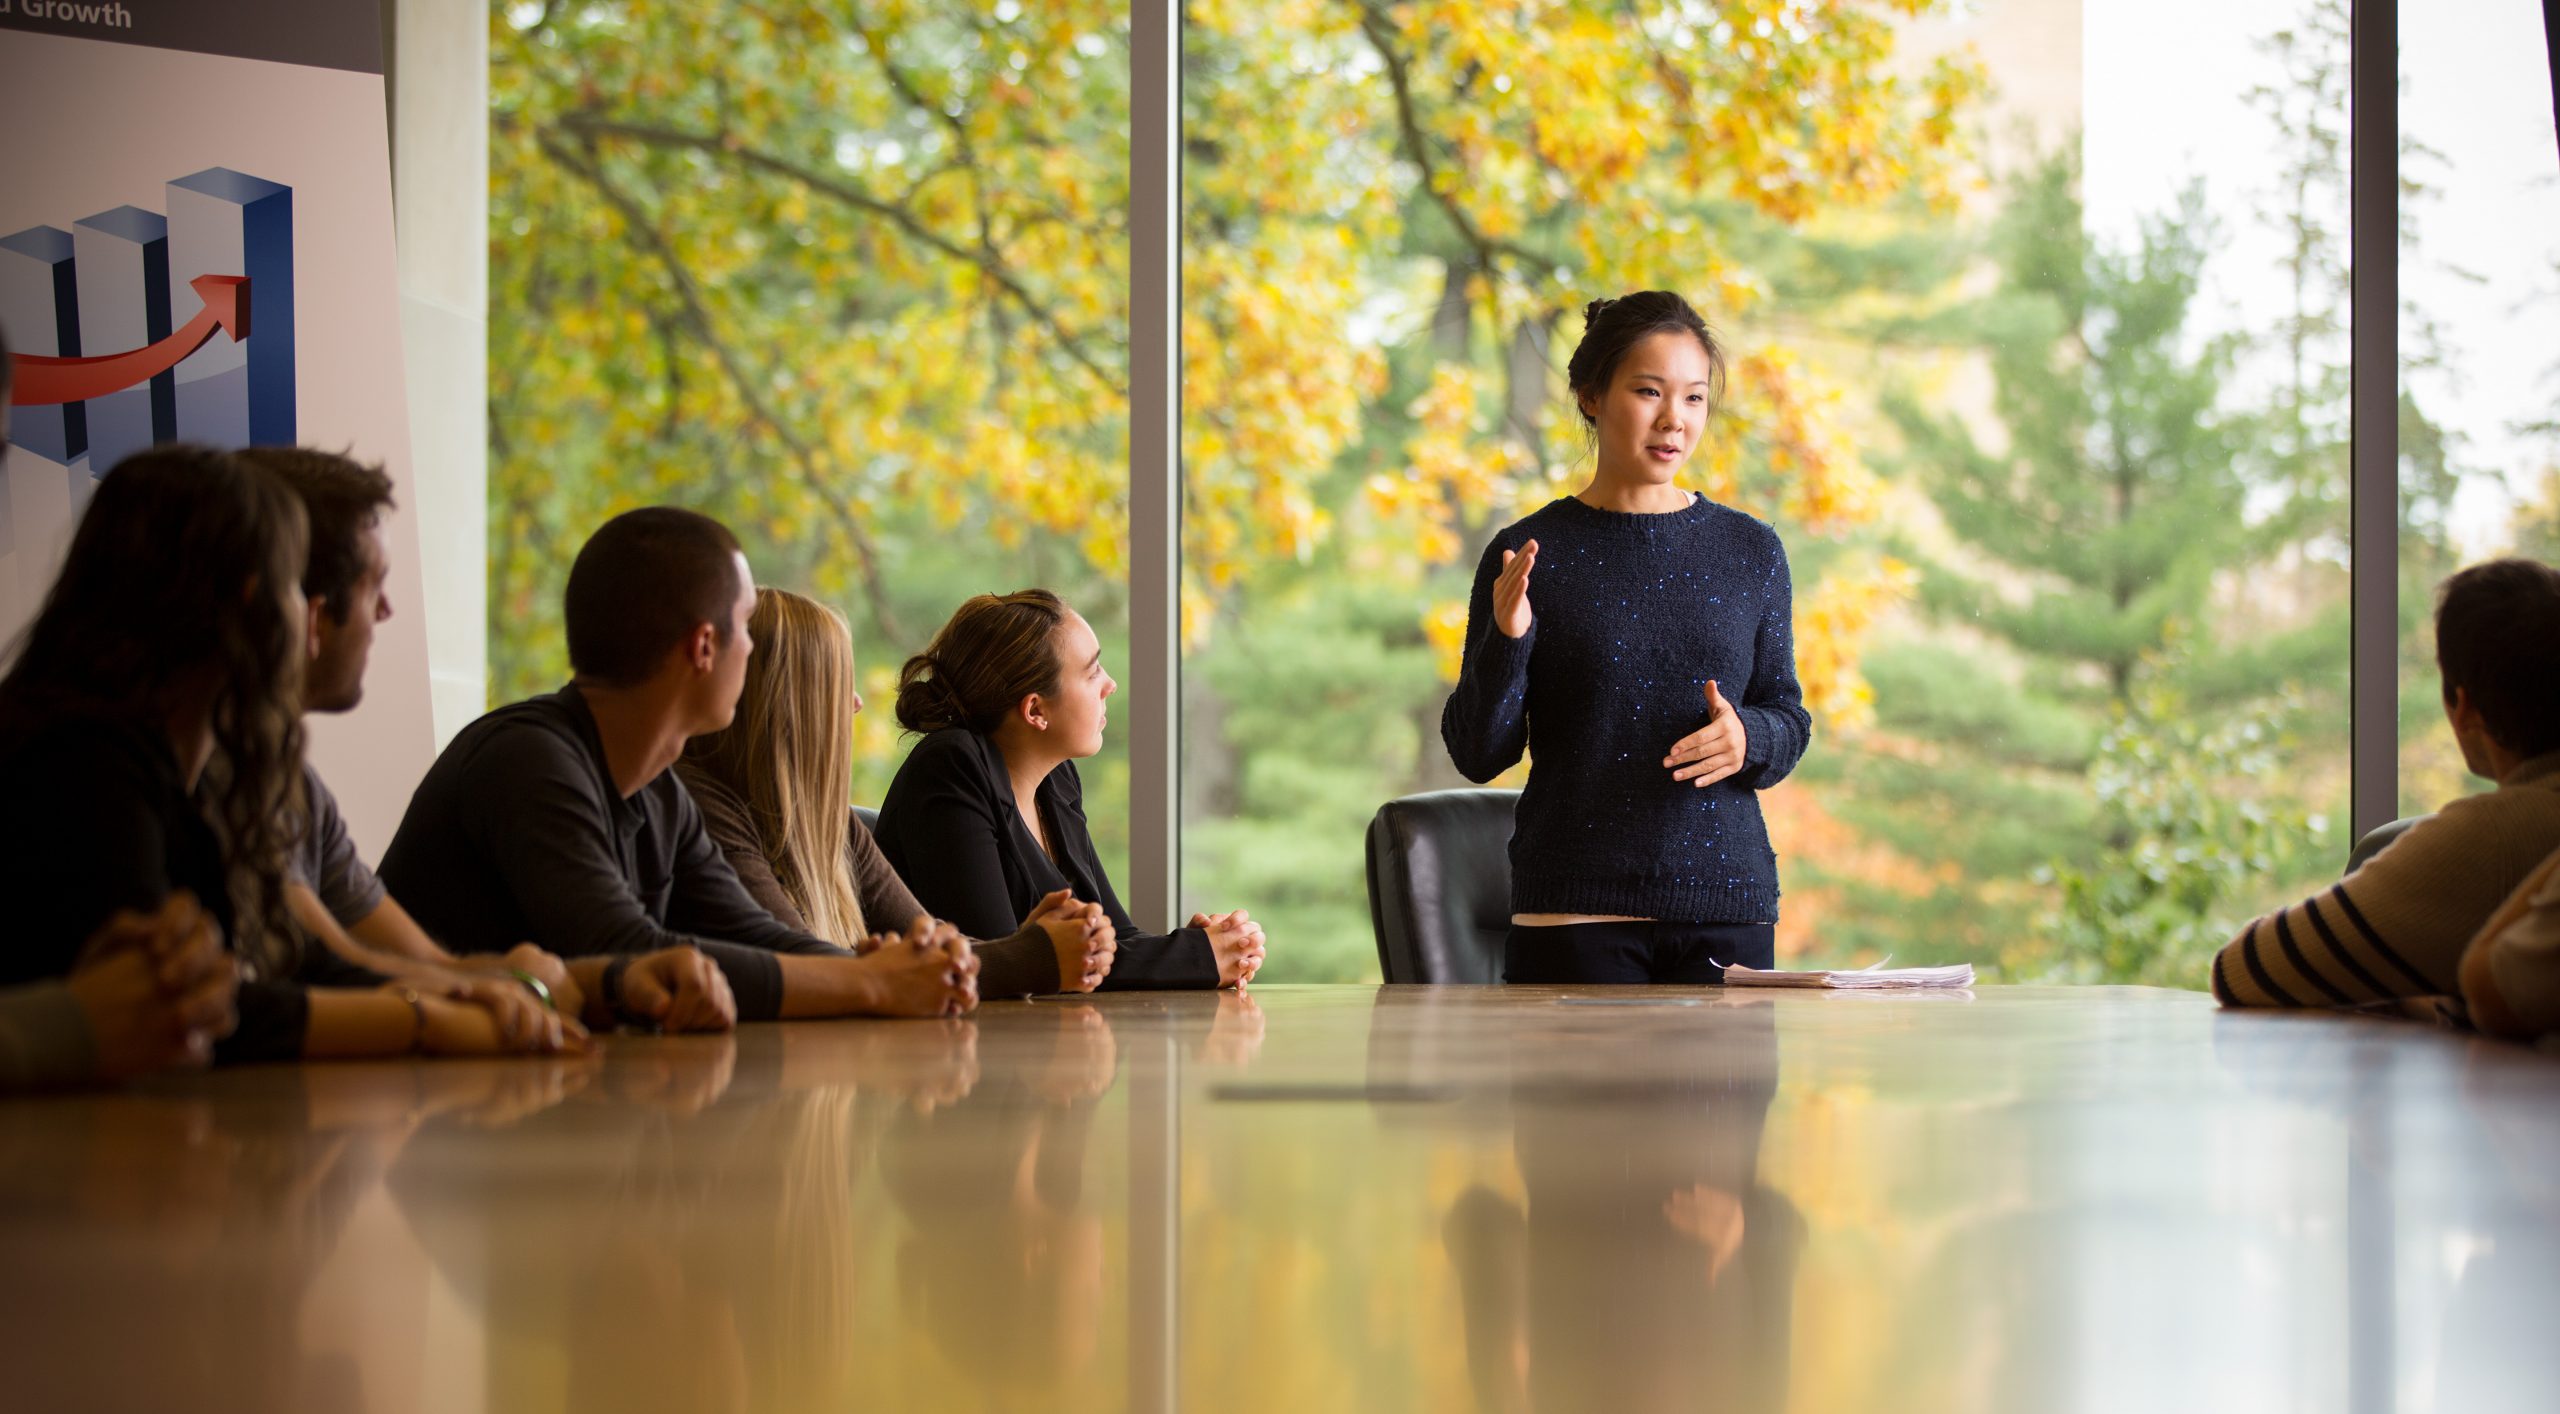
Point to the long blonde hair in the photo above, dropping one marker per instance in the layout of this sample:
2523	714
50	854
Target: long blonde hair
789	755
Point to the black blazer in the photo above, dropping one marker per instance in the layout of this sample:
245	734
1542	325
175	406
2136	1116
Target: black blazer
950	829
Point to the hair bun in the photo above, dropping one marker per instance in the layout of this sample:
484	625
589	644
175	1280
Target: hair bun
1594	309
925	702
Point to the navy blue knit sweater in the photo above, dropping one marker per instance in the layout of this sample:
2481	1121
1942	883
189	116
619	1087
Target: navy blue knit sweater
1632	615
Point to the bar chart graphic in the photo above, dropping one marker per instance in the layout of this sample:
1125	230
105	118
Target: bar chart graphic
136	327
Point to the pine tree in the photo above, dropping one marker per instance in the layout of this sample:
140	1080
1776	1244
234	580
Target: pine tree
2091	538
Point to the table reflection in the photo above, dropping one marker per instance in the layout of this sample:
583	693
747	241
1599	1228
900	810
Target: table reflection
1321	1198
1001	1253
1644	1260
179	1235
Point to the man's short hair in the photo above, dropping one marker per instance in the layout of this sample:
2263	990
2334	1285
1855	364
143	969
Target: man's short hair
640	585
2497	628
344	498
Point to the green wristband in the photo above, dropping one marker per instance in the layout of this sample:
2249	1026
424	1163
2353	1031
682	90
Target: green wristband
534	985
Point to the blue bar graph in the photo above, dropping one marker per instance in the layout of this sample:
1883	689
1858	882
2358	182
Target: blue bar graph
123	281
224	222
40	305
123	276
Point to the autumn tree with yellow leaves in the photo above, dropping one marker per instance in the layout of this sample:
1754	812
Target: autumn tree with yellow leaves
854	277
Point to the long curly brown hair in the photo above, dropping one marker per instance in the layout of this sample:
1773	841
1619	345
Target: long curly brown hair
186	568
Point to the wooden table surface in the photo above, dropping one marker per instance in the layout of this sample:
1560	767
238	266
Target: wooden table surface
1322	1198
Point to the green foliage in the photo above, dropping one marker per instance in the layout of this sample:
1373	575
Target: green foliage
2200	824
2054	748
853	276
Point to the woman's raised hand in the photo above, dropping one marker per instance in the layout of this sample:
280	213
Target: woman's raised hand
1511	591
1713	751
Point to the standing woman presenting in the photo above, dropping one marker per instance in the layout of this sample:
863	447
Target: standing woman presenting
1637	640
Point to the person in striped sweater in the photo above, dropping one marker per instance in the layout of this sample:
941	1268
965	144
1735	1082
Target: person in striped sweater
2395	930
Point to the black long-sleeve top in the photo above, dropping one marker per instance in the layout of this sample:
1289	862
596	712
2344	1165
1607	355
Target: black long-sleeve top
1632	616
95	817
950	829
519	835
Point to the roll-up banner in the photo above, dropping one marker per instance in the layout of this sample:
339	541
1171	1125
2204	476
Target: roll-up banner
196	245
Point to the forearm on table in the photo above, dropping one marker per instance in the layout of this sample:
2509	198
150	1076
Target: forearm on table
824	984
346	1025
1024	964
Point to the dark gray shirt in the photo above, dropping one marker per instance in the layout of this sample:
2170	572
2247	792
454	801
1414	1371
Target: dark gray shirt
518	834
326	858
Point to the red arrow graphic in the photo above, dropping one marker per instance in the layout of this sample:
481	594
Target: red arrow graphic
42	381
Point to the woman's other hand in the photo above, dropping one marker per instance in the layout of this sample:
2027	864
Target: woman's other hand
1713	751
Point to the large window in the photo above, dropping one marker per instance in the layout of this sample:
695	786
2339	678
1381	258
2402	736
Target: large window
2043	372
2479	367
852	278
2042	379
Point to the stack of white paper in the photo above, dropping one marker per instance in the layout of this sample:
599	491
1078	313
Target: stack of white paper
1873	978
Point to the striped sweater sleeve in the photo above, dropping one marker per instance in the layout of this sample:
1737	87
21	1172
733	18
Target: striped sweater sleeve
2395	928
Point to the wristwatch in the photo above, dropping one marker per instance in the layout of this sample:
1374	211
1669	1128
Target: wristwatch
612	986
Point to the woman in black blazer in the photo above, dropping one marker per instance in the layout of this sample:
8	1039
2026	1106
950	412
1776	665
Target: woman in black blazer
986	816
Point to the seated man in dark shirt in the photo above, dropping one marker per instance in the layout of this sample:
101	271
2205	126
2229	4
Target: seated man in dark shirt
335	897
557	820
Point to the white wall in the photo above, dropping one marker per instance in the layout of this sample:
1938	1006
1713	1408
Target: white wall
440	202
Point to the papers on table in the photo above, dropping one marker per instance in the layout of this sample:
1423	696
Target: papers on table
1877	978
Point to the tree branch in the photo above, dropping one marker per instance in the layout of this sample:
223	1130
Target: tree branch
590	126
804	456
1375	26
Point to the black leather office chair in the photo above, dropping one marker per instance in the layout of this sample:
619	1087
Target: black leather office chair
2375	838
869	817
1440	885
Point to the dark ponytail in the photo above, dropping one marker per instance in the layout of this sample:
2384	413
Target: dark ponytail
997	650
1610	327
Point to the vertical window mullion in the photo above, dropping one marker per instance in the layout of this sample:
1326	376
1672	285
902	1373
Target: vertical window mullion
2374	490
1155	464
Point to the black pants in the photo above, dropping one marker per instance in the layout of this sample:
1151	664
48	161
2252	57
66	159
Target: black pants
1691	954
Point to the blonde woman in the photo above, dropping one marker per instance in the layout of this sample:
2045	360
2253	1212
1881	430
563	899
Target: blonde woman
775	792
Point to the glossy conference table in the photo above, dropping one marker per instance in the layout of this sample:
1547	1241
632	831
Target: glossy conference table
1322	1199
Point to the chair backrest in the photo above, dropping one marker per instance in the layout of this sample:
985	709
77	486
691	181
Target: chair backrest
869	817
2375	838
1440	885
